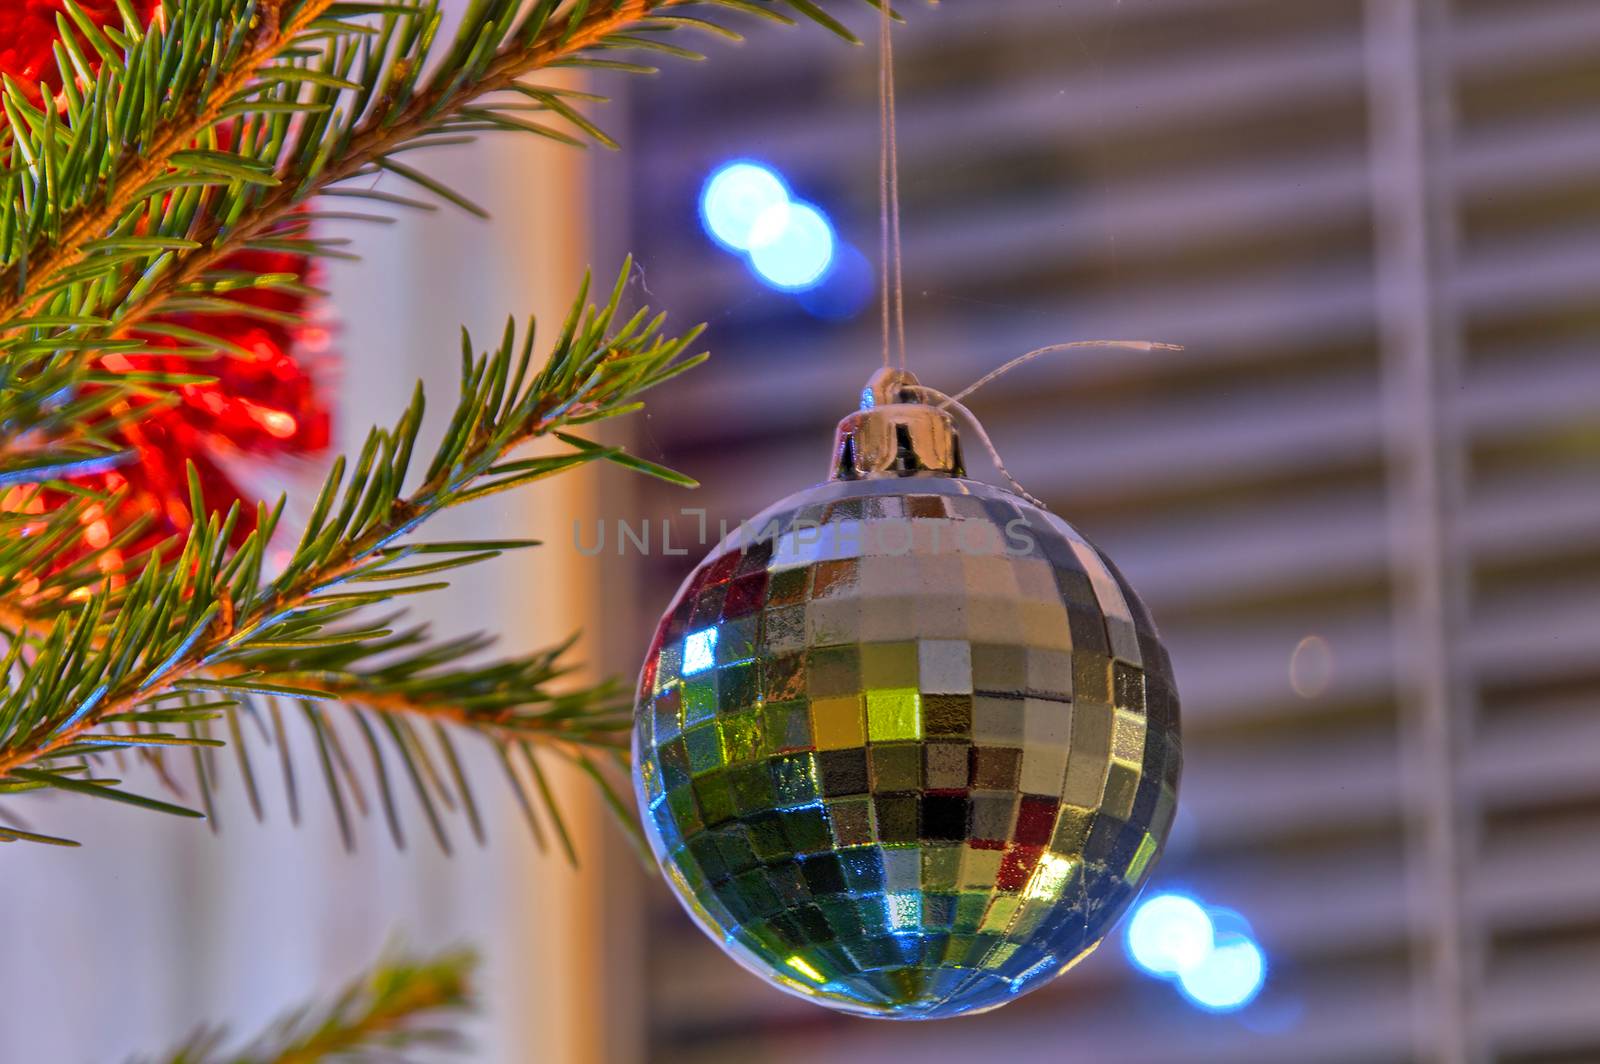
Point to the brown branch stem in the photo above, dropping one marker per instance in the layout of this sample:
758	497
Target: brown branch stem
506	726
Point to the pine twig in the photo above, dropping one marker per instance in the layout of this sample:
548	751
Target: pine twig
163	635
24	288
378	136
384	1014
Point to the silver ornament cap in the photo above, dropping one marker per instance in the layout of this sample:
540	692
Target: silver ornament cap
896	434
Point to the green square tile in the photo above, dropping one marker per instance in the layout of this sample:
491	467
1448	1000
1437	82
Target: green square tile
938	913
794	778
674	760
842	915
1121	784
941	867
896	817
699	700
886	665
736	639
786	882
894	713
970	910
948	715
833	671
767	840
824	875
1000	668
708	855
752	893
738	687
896	767
737	853
1073	824
1001	953
787	726
680	800
752	788
649	774
704	746
807	829
742	738
715	798
1140	864
765	940
872	917
956	948
688	872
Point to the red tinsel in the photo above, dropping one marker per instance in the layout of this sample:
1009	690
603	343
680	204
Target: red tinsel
28	34
264	405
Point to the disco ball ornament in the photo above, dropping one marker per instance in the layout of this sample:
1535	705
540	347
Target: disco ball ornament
905	744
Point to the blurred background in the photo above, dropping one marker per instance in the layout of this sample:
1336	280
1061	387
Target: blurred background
1363	505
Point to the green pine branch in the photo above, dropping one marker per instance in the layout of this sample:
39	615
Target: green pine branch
401	1007
235	125
206	629
209	132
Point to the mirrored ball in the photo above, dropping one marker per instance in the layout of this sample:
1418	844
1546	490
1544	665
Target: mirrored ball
907	747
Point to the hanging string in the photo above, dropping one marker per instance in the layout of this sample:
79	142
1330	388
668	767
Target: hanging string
894	193
883	174
983	437
891	272
889	192
1022	360
953	402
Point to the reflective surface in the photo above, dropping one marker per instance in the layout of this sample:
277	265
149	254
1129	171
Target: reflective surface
907	746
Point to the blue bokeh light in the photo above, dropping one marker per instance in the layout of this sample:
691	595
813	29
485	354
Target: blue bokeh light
1210	953
1168	934
747	209
791	246
1230	976
735	196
